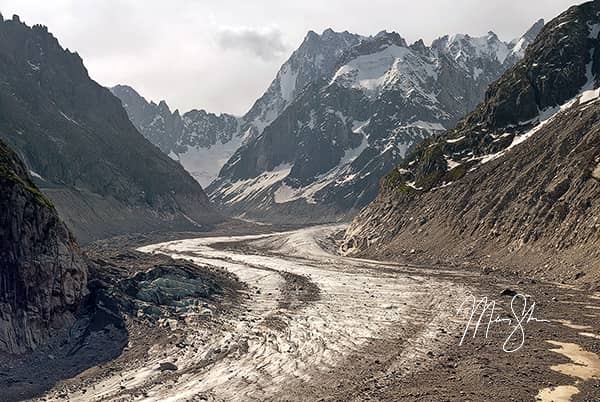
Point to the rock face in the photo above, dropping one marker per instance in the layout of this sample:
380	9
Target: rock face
323	156
515	178
102	175
42	276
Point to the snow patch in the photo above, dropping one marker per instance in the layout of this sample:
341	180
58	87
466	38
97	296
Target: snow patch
451	163
412	185
590	95
455	140
69	119
34	67
36	175
359	126
426	125
596	172
204	164
338	174
251	188
373	72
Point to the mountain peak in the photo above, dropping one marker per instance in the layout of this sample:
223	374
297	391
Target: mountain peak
162	106
328	35
392	38
518	45
419	46
491	35
314	59
329	32
535	29
310	36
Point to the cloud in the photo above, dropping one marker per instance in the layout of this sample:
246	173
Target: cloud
266	43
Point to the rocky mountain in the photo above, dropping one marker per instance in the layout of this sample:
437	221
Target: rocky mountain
314	59
43	277
76	139
322	157
202	142
516	182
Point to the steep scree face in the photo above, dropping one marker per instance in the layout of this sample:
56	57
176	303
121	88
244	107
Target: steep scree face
75	137
322	158
515	178
42	276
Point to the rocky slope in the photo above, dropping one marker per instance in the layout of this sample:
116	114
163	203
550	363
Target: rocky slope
80	146
42	277
516	183
323	156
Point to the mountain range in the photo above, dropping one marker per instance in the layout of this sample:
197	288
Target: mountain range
517	181
343	110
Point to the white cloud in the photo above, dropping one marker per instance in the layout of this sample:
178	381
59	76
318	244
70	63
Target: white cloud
266	43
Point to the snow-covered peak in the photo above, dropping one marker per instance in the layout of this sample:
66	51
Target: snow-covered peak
386	68
315	59
463	48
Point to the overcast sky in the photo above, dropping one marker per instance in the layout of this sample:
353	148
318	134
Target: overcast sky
221	55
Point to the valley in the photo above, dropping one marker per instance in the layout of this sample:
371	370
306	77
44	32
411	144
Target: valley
312	324
388	220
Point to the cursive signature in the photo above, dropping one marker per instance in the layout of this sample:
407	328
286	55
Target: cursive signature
487	312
